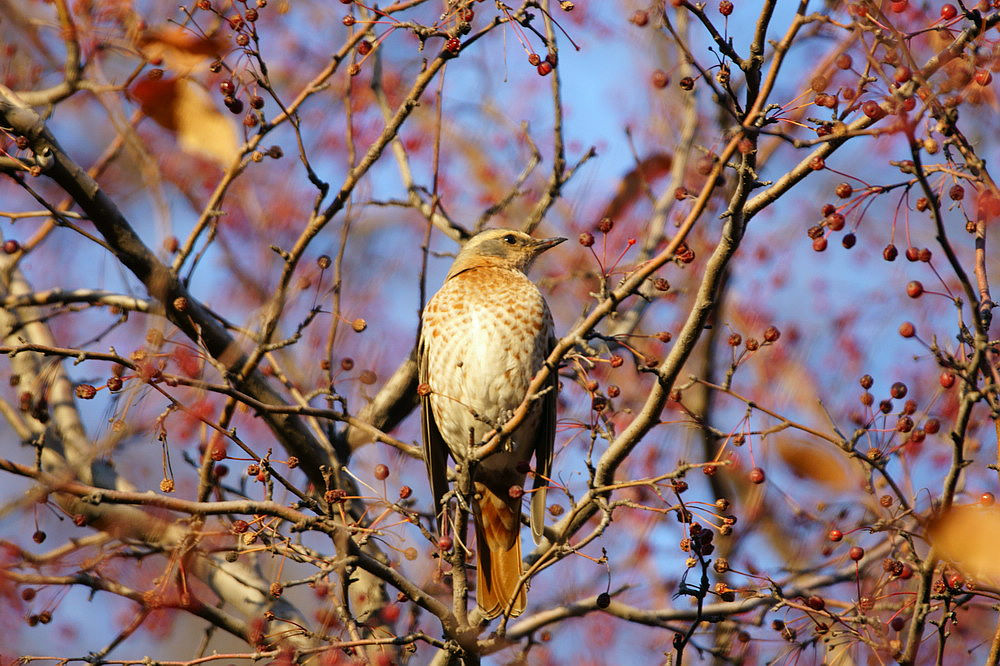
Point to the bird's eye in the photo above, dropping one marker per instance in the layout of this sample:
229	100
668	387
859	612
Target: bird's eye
509	239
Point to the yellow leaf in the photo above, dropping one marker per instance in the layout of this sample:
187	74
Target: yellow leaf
817	463
969	536
180	51
185	108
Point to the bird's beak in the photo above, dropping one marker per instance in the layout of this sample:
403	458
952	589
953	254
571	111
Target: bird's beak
543	244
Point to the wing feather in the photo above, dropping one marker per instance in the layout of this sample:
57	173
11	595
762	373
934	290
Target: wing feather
544	446
435	450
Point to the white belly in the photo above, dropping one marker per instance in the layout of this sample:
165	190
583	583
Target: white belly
488	347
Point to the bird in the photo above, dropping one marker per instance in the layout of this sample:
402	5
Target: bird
483	337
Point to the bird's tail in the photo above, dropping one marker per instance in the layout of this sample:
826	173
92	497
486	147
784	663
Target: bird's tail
498	542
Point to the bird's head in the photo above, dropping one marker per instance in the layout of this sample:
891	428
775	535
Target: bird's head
504	248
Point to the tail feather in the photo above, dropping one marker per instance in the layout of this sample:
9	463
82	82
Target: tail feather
498	537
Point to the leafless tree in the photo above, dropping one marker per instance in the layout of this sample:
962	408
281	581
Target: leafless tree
221	222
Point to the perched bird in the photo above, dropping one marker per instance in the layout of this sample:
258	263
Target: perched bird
484	335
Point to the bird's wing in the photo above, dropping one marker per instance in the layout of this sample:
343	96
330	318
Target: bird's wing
435	449
544	445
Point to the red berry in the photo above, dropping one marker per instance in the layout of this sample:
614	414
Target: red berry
835	535
405	491
932	426
816	603
757	475
902	74
640	17
445	543
453	45
948	12
844	190
872	110
381	472
819	244
534	59
586	239
947	379
912	254
907	330
898	390
364	47
987	499
856	553
390	613
227	88
914	289
11	246
725	7
899	6
984	77
660	79
956	193
897	623
890	252
544	68
866	382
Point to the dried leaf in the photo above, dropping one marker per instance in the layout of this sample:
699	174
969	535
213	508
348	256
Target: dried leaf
817	463
181	51
969	536
185	108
